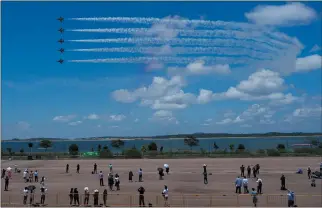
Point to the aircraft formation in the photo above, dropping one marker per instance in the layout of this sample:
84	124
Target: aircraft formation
61	40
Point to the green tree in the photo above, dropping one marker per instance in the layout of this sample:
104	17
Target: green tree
152	146
231	147
22	150
30	145
215	146
241	147
280	147
117	143
105	148
45	144
191	141
143	149
73	149
99	148
9	149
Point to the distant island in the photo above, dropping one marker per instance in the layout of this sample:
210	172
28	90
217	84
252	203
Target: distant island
197	135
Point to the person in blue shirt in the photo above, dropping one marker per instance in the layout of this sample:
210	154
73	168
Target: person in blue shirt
254	197
238	184
290	197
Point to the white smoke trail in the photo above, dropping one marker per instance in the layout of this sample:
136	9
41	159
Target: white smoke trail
169	60
184	42
197	23
183	50
251	36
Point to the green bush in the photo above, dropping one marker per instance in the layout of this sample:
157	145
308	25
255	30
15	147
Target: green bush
132	153
273	152
152	146
261	151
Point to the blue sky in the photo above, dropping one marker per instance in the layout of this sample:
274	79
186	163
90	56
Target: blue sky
152	68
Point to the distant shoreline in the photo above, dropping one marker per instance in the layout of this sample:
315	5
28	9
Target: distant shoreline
178	138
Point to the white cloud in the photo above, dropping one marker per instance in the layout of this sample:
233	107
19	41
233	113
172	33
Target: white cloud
315	48
246	126
308	63
163	113
200	68
225	121
23	125
64	118
117	117
308	112
93	116
75	123
289	14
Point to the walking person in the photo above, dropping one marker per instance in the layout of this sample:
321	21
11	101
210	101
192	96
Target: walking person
309	172
111	168
254	172
71	196
77	168
141	191
140	175
291	198
242	171
101	176
6	183
245	185
249	171
36	176
31	176
205	177
165	194
67	168
259	185
95	169
254	197
238	184
204	168
105	197
25	195
167	168
130	176
86	196
76	197
117	182
110	181
31	196
283	182
43	195
257	169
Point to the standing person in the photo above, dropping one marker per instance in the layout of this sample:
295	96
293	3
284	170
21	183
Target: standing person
31	176
165	194
95	169
16	168
130	176
254	196
71	196
309	172
167	168
140	175
117	182
245	185
249	170
205	178
105	197
111	168
25	195
290	197
67	168
36	176
283	182
110	181
77	169
254	171
101	176
257	169
238	184
259	185
204	168
242	171
86	196
6	183
31	196
76	197
95	196
313	182
43	191
141	191
161	174
25	176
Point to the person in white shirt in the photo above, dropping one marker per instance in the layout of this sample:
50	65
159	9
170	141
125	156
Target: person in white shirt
140	175
259	185
25	176
165	194
245	185
25	195
101	176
